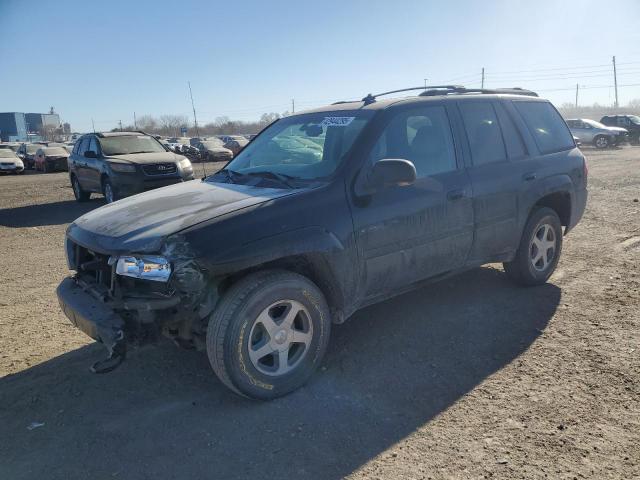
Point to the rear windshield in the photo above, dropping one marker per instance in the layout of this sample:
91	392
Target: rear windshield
214	142
130	144
55	151
33	148
546	125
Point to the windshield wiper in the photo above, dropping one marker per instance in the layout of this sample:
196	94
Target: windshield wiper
281	177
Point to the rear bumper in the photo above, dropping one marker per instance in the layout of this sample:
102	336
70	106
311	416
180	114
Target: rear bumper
577	208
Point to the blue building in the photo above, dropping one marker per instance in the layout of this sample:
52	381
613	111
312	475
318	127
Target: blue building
13	127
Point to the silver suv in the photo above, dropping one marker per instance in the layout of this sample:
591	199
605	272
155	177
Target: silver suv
595	133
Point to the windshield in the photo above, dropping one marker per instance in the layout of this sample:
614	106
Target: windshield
213	143
308	146
33	148
128	144
634	119
594	124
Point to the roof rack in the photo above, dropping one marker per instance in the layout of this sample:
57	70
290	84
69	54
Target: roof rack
372	98
433	90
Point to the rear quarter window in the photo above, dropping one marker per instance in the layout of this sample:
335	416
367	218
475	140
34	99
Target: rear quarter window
546	126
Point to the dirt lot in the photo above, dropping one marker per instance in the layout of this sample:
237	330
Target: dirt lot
468	378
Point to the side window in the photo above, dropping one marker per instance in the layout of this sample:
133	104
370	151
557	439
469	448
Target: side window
623	121
93	145
84	142
546	125
511	135
483	132
422	136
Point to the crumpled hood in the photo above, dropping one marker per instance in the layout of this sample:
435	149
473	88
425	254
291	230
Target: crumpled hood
146	158
139	224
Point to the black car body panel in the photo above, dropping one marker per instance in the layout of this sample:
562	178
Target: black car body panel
359	244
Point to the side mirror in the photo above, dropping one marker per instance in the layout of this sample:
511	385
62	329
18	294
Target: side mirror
90	154
390	172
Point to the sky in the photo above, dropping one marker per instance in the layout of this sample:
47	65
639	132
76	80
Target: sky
105	60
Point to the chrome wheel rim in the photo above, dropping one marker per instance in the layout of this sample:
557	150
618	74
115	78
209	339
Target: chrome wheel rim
108	193
601	142
542	249
280	338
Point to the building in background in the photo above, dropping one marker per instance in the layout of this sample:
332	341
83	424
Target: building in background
13	127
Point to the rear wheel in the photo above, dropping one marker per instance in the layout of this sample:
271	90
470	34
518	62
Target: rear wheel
539	250
601	141
108	192
268	334
78	192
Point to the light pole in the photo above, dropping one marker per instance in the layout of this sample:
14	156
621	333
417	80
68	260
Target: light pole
425	83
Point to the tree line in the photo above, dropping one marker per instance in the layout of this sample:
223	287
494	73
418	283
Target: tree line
171	125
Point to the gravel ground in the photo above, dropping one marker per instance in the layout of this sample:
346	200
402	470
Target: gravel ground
467	378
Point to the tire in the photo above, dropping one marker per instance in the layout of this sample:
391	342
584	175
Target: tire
235	330
601	141
528	268
108	191
78	192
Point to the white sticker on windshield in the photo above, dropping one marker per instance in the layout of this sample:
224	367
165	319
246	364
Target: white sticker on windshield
336	121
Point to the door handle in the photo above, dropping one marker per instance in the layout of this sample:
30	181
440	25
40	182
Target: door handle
455	195
529	176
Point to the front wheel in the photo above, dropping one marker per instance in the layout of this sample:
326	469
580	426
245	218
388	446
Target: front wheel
601	141
108	192
78	192
539	250
268	334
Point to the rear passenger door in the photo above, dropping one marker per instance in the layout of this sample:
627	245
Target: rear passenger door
94	166
409	233
499	166
80	162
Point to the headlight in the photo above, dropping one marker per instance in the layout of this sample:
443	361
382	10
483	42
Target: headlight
19	163
185	164
122	167
153	268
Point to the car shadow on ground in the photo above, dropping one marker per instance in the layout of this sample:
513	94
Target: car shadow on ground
389	370
55	213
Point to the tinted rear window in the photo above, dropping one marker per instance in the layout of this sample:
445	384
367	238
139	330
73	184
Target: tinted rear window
546	125
483	132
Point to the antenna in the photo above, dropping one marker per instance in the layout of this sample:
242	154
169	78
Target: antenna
195	121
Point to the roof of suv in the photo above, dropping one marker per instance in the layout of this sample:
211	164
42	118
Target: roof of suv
118	134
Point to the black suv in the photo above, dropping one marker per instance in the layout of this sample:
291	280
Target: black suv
119	164
630	122
325	212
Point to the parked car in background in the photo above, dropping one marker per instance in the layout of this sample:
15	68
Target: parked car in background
629	122
254	263
13	146
27	152
235	143
51	159
213	150
10	162
119	164
68	147
594	133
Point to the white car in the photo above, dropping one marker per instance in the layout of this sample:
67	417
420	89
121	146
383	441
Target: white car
10	162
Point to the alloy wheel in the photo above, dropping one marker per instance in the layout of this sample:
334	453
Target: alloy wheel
280	337
542	249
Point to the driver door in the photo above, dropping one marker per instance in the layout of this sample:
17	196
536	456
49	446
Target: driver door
409	233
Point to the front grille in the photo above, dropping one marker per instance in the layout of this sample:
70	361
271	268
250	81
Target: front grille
7	164
160	168
92	267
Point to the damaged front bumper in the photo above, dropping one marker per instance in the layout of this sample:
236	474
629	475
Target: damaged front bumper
96	319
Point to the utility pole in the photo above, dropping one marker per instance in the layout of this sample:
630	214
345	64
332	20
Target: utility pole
482	82
195	119
293	106
93	125
615	80
120	123
425	83
577	90
135	122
